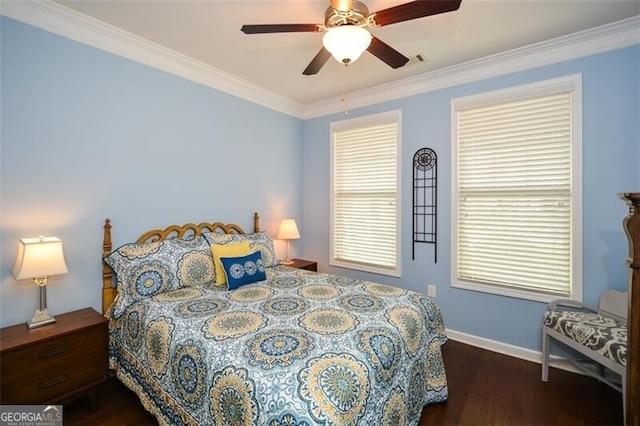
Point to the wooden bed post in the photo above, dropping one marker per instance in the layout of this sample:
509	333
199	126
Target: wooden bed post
256	222
108	292
631	225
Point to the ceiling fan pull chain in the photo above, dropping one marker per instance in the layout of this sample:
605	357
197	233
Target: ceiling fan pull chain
343	97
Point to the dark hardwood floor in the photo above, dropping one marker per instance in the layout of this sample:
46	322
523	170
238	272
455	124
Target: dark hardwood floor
485	388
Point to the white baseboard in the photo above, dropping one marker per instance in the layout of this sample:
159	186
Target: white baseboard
510	350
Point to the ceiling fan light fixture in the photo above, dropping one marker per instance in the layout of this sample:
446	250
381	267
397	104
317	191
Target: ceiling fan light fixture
346	42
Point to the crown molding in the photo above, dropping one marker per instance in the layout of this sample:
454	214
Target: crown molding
601	39
60	20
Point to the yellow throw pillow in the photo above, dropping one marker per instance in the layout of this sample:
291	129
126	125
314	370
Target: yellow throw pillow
227	250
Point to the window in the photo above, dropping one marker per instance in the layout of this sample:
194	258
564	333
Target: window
365	195
516	191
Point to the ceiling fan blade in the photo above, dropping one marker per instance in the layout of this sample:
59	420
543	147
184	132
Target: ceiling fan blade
386	53
317	62
342	5
414	10
281	28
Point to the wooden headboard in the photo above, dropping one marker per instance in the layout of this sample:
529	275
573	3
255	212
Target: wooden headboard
109	292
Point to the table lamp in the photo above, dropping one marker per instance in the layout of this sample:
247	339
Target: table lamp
39	258
288	231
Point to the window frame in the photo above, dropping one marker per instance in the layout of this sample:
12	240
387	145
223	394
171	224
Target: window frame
573	84
389	117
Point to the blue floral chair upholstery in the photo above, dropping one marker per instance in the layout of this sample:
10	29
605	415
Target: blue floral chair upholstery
599	334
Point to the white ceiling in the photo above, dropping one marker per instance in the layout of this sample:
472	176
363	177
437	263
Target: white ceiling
209	31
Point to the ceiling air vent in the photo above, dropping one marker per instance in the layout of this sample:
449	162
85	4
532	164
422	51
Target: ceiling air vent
417	59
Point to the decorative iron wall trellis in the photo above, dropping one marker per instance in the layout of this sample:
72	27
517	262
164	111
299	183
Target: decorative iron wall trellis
425	199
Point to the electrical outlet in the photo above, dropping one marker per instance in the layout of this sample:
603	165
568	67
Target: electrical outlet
431	290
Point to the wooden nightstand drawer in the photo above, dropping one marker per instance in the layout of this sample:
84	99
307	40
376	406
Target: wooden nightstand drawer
49	364
40	372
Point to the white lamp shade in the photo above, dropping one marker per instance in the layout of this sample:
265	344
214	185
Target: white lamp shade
346	42
39	257
288	230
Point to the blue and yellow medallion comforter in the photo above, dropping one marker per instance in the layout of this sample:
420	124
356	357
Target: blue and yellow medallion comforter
300	348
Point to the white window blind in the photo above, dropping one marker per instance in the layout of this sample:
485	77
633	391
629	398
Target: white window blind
364	227
515	194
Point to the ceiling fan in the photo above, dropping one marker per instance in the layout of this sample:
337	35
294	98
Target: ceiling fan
346	36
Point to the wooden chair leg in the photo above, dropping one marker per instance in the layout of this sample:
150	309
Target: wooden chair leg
545	355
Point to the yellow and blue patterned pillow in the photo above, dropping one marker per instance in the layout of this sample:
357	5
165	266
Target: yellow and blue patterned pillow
227	250
146	269
257	241
241	270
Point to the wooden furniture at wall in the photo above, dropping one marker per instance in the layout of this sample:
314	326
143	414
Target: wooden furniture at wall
56	363
631	226
309	265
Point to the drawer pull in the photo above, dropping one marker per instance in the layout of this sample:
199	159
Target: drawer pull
53	382
54	352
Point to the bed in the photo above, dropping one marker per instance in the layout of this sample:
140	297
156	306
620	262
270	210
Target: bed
295	348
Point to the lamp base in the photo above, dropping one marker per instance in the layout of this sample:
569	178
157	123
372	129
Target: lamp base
287	262
39	319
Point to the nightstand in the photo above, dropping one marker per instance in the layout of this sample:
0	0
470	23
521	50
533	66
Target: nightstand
56	363
309	265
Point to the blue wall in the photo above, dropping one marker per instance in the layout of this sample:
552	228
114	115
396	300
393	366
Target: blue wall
88	135
611	158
